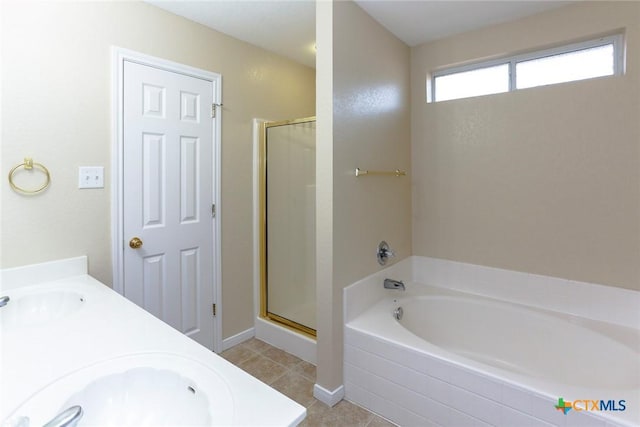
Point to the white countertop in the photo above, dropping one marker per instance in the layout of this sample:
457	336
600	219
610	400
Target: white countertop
108	326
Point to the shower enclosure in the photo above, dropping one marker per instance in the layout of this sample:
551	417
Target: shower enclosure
287	225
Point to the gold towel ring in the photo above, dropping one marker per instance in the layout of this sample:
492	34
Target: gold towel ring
28	165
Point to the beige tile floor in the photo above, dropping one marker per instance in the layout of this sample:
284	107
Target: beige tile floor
294	378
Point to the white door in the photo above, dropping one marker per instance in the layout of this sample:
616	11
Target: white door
168	196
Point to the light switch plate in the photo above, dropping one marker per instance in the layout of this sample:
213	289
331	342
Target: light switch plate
91	177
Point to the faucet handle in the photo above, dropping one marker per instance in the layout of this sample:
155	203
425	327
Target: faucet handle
384	253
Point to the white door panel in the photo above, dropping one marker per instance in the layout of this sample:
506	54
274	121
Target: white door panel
168	194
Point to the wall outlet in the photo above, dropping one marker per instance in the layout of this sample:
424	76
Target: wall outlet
91	177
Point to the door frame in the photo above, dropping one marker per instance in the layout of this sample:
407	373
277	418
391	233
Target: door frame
119	56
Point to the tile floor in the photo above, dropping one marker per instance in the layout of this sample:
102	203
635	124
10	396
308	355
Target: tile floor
294	378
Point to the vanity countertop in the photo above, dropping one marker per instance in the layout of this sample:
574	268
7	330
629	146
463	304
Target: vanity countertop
99	325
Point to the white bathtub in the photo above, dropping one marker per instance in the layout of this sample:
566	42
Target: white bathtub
461	359
520	340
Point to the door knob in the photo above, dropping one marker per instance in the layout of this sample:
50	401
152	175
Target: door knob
135	243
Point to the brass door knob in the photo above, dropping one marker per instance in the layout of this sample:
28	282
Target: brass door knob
135	243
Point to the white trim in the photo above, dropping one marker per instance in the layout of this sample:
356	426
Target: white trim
119	56
330	398
217	199
238	338
256	214
617	40
286	339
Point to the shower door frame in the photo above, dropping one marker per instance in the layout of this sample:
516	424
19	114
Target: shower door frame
262	156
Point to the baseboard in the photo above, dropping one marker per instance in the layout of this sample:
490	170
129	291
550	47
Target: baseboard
327	397
236	339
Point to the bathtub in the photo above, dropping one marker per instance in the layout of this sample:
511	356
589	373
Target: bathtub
455	358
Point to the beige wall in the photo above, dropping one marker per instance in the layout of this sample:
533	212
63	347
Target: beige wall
328	373
56	107
370	123
543	180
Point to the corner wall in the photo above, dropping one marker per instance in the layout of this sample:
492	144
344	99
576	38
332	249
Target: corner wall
543	180
365	124
56	107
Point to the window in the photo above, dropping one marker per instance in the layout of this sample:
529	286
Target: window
579	61
476	82
566	67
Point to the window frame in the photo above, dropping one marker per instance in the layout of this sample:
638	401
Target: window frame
617	40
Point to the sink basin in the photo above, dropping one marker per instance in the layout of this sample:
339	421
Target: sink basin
151	389
142	396
40	307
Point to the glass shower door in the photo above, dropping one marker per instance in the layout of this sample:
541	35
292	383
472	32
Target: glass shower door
289	193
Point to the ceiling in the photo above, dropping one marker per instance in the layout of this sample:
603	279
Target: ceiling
287	27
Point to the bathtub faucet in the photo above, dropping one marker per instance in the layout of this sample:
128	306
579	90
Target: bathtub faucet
393	284
67	418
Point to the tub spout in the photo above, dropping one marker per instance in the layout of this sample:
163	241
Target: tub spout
393	284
